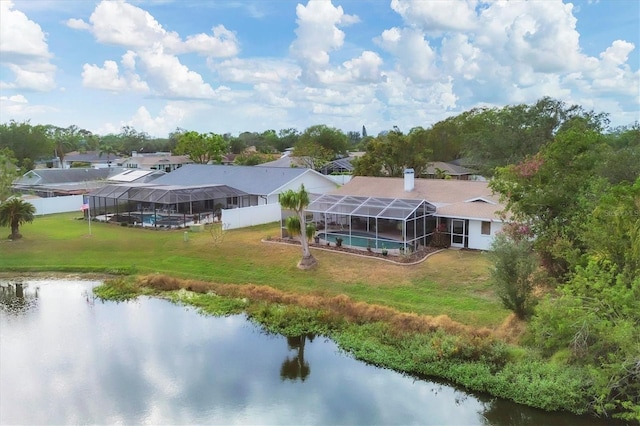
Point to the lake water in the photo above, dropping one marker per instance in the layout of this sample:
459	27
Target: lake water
67	358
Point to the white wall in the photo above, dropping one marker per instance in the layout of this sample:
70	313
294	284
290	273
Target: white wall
340	179
250	216
68	203
479	241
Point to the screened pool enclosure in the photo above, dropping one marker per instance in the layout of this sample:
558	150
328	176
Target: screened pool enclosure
372	222
166	206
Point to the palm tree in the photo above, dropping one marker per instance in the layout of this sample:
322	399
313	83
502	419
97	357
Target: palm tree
298	201
15	212
108	149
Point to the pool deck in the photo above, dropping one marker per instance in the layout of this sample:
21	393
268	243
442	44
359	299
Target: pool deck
206	218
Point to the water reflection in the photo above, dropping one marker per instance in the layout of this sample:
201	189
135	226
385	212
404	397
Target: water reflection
296	367
13	300
151	362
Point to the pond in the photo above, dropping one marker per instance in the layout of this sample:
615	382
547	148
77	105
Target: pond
68	358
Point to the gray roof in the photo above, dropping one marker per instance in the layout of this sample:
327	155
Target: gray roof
448	168
250	179
65	176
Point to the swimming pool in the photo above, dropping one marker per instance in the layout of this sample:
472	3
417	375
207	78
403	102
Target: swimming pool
361	239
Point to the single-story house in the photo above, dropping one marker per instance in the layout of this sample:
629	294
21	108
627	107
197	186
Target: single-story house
61	182
198	192
158	161
93	158
442	170
410	211
61	190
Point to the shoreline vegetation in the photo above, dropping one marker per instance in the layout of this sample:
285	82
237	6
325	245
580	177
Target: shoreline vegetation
438	318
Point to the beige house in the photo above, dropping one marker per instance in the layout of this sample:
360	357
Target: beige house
163	161
467	210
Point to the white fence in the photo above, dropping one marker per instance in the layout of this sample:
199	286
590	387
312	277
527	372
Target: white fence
67	203
250	216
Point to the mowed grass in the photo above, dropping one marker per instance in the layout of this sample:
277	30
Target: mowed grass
452	283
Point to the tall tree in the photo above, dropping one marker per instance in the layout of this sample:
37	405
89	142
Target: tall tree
297	201
65	139
8	172
13	213
392	152
320	144
554	191
499	137
107	150
202	147
28	143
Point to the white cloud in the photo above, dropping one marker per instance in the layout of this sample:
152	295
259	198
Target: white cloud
24	50
256	70
108	77
171	78
77	24
223	43
437	16
18	107
170	117
318	35
414	56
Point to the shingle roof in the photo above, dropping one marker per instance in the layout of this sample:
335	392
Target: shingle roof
451	197
250	179
64	176
448	168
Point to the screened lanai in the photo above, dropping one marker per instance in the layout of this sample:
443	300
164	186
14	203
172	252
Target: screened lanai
165	205
373	222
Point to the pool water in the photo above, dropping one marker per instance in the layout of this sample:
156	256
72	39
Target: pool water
362	240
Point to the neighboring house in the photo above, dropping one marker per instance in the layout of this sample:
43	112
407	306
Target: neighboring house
442	170
467	211
60	182
61	190
248	195
163	161
285	161
93	158
264	184
342	165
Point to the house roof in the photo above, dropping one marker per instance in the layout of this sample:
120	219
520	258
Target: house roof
79	181
65	176
136	175
452	198
91	157
449	168
285	161
155	160
250	179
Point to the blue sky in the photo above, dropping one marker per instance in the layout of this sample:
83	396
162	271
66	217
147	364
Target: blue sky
233	66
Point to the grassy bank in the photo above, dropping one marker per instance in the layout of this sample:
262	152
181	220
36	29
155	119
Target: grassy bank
451	283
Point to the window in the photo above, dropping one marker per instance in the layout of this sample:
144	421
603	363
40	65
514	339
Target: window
486	228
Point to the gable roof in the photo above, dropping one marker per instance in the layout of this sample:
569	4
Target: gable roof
452	198
154	160
57	176
250	179
448	168
91	157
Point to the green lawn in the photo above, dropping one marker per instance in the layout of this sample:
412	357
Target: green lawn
452	283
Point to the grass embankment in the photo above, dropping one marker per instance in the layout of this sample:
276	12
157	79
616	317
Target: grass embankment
439	318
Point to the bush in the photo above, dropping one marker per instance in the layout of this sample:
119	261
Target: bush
513	273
